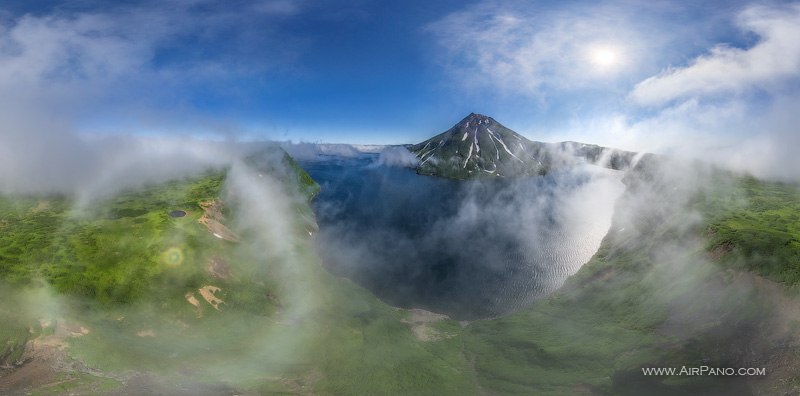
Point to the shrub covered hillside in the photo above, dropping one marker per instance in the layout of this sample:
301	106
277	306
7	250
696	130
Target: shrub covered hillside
697	269
210	285
207	285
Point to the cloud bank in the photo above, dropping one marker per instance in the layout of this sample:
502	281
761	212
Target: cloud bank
541	51
80	88
734	106
685	92
397	156
471	249
769	64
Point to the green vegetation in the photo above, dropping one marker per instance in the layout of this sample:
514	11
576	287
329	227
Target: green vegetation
762	224
110	252
113	281
17	327
366	349
77	384
657	297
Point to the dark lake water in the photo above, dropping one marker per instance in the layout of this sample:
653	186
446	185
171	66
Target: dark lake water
469	249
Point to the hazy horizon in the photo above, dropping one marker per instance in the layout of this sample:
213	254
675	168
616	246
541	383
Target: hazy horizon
616	73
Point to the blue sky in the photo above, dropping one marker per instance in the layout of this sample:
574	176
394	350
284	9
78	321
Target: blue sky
645	75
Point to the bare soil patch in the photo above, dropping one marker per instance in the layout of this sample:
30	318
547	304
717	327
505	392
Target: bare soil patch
212	218
420	321
41	206
44	362
219	268
720	251
208	294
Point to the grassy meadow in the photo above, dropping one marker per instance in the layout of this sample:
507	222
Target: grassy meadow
692	280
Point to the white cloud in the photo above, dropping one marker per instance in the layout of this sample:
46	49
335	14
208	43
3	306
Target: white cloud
397	156
66	69
528	50
772	60
771	151
87	47
88	168
733	107
135	63
736	134
305	151
704	109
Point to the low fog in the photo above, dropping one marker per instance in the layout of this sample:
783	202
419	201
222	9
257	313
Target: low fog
303	151
397	156
725	317
90	170
471	249
65	163
88	112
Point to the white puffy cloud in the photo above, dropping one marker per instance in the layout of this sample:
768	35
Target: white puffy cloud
525	49
774	59
135	63
305	151
708	109
397	156
735	107
63	69
736	134
86	47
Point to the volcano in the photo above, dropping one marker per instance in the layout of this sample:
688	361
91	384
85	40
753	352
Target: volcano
479	146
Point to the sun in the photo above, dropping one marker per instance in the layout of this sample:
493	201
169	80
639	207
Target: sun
604	57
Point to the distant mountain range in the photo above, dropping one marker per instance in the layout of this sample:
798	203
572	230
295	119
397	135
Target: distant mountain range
479	146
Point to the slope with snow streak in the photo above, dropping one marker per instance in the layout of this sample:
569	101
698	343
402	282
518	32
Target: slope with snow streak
465	150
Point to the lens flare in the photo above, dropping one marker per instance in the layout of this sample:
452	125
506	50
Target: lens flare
604	57
172	257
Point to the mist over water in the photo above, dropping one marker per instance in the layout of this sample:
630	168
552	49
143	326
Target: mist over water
470	249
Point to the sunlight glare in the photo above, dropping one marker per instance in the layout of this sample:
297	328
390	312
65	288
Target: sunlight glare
604	57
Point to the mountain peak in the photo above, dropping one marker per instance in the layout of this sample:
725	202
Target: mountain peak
478	145
475	118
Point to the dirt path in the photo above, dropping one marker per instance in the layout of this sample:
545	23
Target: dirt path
420	321
45	363
148	384
37	369
212	218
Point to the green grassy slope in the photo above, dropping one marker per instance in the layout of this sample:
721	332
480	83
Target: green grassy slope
762	224
660	293
110	253
668	287
115	278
